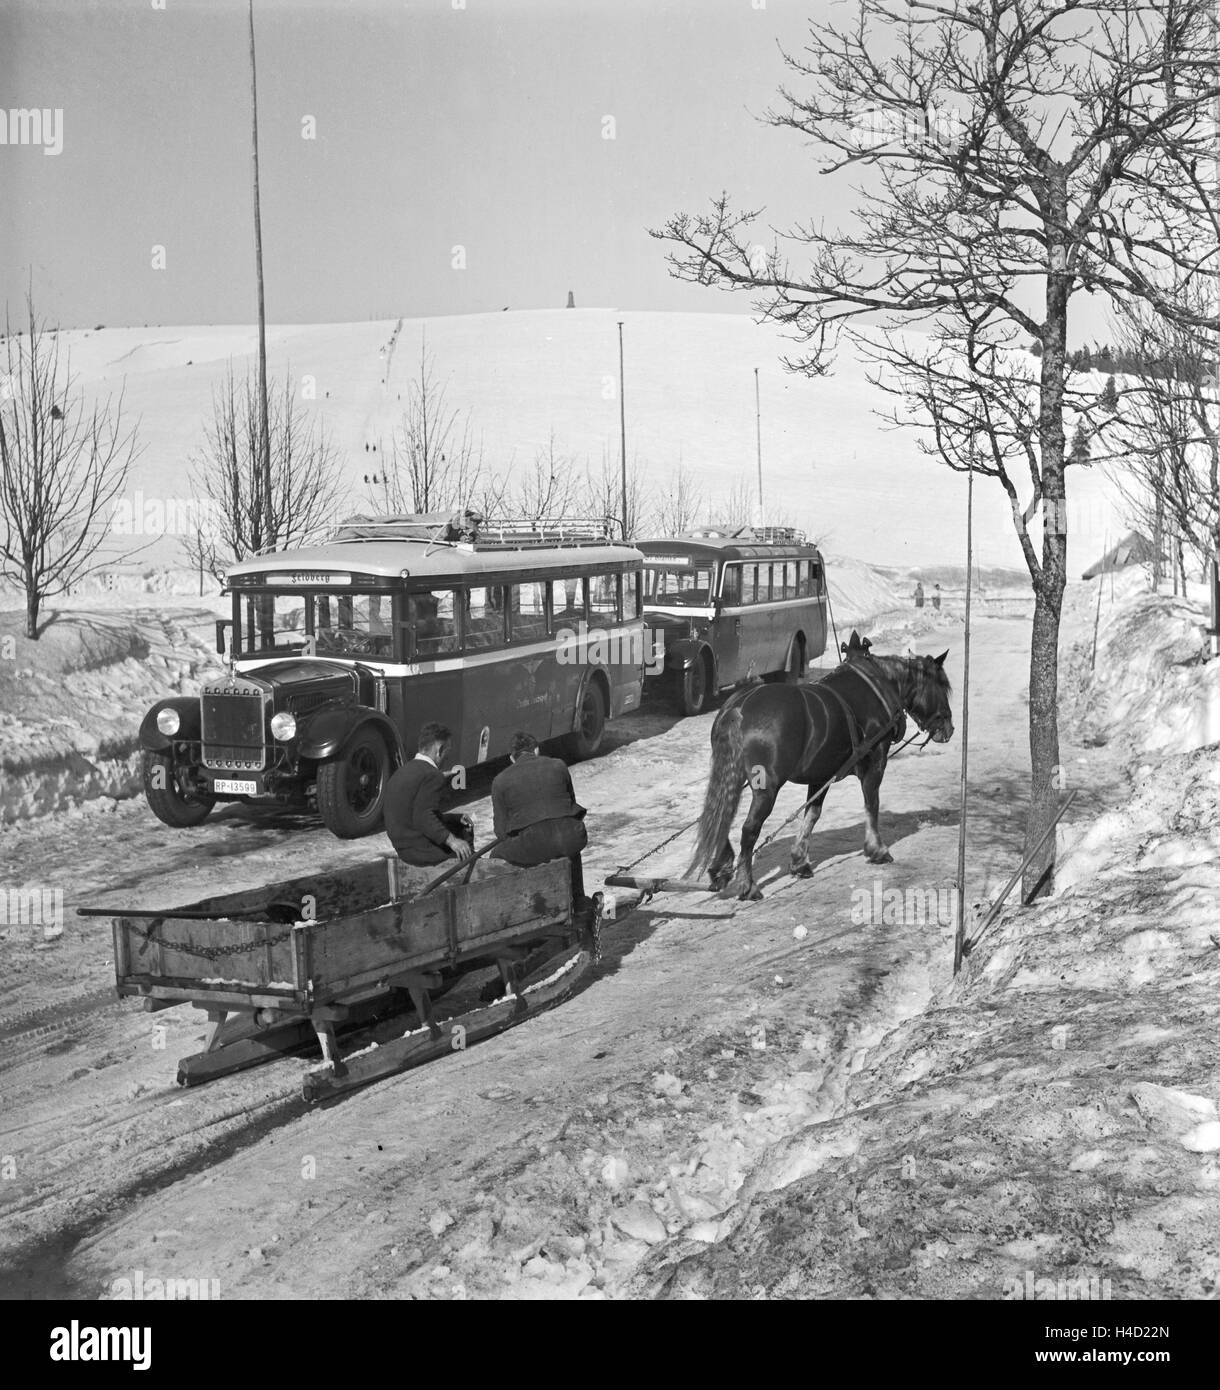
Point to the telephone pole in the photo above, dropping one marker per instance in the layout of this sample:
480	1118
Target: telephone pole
622	424
758	444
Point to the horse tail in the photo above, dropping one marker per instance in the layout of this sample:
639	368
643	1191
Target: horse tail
725	783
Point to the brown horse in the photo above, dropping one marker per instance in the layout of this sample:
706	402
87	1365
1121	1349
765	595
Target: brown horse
767	735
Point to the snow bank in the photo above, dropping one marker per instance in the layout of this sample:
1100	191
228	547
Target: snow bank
71	703
1151	686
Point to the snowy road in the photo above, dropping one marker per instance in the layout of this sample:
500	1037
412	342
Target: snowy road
550	1158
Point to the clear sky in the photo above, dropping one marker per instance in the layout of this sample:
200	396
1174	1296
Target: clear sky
448	132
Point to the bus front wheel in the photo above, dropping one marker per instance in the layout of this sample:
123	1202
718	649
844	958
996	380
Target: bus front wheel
170	796
586	738
351	788
696	686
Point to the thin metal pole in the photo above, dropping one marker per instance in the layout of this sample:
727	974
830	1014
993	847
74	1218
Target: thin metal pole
264	429
960	935
758	441
622	424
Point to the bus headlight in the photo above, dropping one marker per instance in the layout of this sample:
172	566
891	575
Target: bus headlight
168	721
283	726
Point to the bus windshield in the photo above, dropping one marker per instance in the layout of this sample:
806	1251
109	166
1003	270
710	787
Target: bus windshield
352	624
666	586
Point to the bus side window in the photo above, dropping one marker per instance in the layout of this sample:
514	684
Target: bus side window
790	570
815	571
803	580
631	595
432	616
603	597
567	603
730	586
484	617
527	616
748	574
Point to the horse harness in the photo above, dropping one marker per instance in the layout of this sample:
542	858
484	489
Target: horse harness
854	733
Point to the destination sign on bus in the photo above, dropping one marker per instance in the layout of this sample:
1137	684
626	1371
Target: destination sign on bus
651	560
305	577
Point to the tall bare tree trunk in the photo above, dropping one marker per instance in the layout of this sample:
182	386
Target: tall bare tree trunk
264	438
1049	584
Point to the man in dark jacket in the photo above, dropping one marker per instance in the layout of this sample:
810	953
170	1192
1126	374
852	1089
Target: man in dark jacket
533	804
419	831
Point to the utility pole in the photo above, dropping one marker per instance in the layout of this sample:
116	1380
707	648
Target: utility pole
758	444
264	429
960	935
622	424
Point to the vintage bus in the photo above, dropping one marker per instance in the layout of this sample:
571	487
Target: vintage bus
734	604
338	653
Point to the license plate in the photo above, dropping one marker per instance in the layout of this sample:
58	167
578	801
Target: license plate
231	787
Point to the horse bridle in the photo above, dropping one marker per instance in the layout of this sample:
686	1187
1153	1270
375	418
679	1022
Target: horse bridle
933	725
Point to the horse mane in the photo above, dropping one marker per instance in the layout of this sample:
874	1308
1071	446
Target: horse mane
922	671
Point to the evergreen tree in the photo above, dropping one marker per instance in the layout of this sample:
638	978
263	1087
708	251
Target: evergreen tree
1080	444
1109	395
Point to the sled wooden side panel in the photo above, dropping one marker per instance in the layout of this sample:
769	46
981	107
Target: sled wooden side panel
177	948
443	928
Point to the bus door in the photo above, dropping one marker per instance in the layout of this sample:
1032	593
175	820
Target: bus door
527	681
432	690
727	628
481	696
755	637
786	618
565	668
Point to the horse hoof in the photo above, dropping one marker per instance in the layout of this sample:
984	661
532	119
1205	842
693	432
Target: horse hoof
753	894
802	871
879	856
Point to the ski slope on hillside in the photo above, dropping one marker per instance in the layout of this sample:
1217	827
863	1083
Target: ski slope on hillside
830	463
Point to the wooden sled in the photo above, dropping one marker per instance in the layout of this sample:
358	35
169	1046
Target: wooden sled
287	968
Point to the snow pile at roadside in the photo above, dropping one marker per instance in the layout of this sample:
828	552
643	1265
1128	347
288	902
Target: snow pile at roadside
1150	687
71	703
1049	1125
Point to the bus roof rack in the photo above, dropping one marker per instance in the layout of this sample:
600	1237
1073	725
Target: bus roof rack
469	530
762	534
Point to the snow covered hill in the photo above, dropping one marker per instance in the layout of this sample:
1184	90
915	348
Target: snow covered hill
830	464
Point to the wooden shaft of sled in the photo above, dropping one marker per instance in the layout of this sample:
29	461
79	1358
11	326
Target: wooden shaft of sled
185	913
460	865
656	885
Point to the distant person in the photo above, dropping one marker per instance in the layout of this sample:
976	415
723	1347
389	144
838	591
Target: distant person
936	596
918	594
533	804
419	830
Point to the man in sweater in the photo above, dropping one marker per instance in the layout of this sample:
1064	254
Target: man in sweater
419	830
533	804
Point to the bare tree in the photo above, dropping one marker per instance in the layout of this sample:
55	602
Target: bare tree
306	487
434	461
1013	154
678	503
549	487
1168	432
605	494
62	467
736	506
